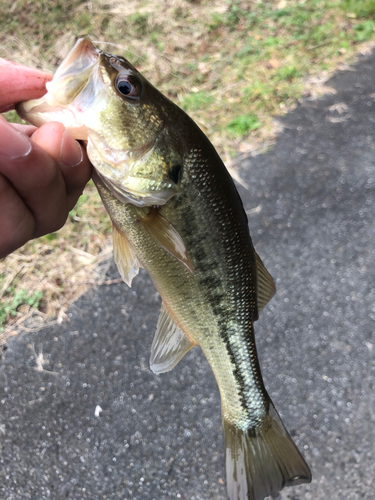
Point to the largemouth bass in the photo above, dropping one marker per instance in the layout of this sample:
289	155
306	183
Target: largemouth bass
176	212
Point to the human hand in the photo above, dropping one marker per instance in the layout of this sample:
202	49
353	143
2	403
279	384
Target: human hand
42	171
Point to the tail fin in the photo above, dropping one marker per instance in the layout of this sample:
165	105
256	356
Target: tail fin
261	461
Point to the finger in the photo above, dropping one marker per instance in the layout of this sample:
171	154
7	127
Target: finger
16	220
24	129
70	156
20	83
35	176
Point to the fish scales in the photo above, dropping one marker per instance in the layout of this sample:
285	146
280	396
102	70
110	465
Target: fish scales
177	213
225	278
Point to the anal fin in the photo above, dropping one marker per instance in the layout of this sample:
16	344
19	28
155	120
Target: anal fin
125	258
170	344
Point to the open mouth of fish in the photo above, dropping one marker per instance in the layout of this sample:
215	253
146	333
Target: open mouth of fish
71	77
77	87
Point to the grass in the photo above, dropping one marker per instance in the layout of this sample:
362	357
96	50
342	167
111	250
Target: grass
243	124
233	65
17	299
41	279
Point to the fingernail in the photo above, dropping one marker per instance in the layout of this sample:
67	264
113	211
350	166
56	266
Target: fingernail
13	144
71	153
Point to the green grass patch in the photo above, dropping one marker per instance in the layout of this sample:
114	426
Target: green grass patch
12	116
288	73
243	124
360	8
195	101
364	30
13	300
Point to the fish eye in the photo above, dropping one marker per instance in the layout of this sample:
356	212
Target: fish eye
128	86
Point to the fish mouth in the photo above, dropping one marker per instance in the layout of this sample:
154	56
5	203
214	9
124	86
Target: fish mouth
73	73
76	93
71	79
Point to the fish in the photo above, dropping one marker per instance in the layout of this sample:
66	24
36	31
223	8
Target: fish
176	212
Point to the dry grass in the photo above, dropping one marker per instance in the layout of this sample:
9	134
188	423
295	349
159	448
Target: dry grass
39	281
233	65
60	283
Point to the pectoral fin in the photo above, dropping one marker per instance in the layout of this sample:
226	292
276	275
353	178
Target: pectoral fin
266	287
165	235
170	344
125	258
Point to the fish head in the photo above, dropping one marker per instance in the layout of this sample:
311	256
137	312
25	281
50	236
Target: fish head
103	99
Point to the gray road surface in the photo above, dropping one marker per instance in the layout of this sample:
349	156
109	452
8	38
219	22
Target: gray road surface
159	437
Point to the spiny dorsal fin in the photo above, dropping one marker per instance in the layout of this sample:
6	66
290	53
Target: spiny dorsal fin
170	344
125	258
165	235
266	287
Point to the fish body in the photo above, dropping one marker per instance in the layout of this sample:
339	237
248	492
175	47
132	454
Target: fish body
177	213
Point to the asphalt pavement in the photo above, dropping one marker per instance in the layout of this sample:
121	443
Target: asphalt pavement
83	417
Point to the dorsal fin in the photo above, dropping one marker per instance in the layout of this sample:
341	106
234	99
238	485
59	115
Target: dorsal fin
165	235
170	344
125	258
266	287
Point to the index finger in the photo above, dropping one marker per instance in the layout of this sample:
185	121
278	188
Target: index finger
19	83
